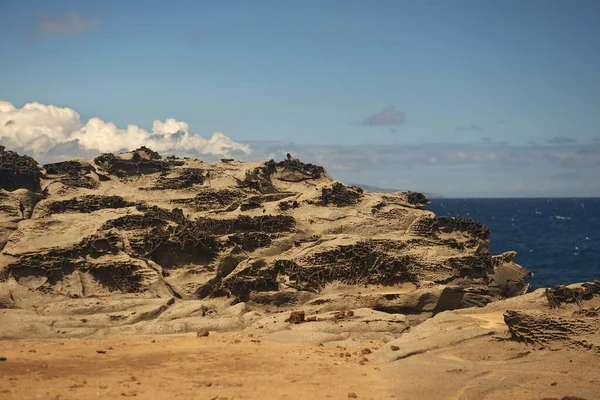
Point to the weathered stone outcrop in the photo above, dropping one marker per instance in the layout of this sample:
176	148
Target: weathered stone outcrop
92	265
20	191
138	162
294	170
562	294
340	195
182	178
213	199
548	330
85	204
19	172
272	235
69	167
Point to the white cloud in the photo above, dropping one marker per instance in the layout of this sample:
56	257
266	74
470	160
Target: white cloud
386	117
69	24
37	128
169	126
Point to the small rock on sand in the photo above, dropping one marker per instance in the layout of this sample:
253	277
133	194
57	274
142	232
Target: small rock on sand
296	317
202	332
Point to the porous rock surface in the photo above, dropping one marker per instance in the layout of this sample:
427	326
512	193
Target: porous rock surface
134	243
557	327
521	347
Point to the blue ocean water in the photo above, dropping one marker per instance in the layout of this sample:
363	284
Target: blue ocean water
557	239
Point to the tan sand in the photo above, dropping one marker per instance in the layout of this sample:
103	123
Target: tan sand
220	366
234	366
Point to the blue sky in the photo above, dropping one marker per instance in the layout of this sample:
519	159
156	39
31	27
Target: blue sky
389	93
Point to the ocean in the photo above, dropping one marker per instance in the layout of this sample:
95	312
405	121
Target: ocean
558	239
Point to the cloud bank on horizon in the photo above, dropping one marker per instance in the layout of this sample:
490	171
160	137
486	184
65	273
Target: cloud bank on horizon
459	169
49	132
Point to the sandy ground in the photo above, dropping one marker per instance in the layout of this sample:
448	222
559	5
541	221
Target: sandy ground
220	366
483	368
232	366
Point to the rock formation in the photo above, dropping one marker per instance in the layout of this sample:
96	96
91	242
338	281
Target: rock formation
555	328
136	243
278	251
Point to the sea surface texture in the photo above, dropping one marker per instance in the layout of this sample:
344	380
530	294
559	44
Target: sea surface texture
557	239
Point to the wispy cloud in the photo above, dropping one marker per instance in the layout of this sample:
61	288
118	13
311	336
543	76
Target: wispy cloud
488	141
389	116
561	140
69	24
469	128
